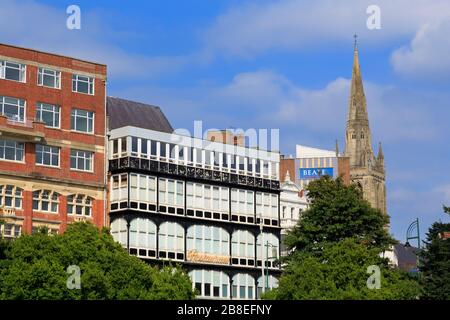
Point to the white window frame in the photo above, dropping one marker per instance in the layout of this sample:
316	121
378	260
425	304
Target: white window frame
50	150
266	205
74	113
178	189
44	71
246	238
142	184
275	246
53	199
242	207
143	234
273	283
15	230
82	158
178	237
90	82
86	204
18	147
243	280
20	104
56	113
215	279
119	187
208	240
13	192
22	68
119	231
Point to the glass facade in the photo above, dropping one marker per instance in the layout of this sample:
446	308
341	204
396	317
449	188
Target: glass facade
212	226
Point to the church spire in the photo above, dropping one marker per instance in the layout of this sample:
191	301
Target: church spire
357	103
366	169
380	151
358	140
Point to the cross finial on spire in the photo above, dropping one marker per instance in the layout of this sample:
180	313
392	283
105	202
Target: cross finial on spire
355	36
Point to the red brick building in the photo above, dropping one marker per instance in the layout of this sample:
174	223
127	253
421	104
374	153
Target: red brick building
52	141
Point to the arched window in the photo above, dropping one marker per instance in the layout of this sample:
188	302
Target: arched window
46	201
143	237
362	135
119	231
171	241
270	284
243	286
11	196
270	240
243	248
79	205
208	239
210	283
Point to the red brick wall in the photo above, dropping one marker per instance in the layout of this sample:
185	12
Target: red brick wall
344	169
287	165
66	99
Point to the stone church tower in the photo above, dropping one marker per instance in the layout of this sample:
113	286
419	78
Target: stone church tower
366	169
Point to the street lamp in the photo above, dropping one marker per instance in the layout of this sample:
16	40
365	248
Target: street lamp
262	254
413	227
413	232
274	256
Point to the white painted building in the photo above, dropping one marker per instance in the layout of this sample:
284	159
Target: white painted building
292	203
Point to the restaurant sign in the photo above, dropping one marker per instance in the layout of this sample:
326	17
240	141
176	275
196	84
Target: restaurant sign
195	256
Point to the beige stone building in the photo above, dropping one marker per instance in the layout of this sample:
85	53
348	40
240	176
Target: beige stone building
366	169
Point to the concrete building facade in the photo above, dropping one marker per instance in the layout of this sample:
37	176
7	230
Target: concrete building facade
292	204
311	163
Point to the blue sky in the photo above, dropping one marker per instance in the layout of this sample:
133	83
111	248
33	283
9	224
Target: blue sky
276	64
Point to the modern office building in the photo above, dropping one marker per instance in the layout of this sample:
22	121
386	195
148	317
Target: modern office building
211	206
52	141
312	163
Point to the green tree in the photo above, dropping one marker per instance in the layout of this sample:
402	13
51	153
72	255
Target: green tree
35	267
435	262
338	212
339	271
338	237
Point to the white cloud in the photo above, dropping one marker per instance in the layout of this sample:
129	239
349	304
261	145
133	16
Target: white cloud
444	192
30	24
428	53
254	27
264	98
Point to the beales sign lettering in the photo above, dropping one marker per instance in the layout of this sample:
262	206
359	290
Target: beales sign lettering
315	173
195	256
